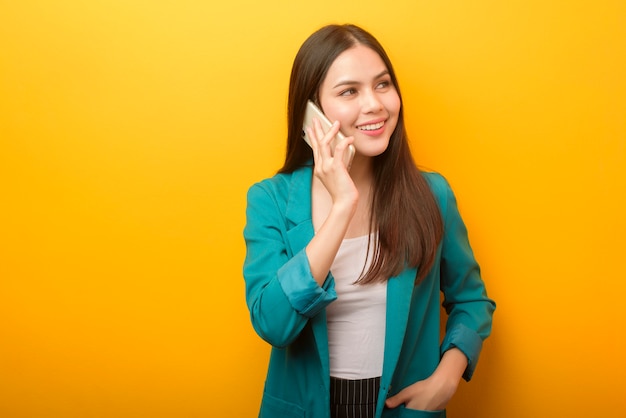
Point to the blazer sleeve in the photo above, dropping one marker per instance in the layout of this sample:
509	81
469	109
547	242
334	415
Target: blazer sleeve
469	309
281	292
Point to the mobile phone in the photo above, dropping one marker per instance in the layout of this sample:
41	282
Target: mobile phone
312	111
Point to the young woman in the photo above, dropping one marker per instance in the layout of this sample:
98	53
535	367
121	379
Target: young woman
344	267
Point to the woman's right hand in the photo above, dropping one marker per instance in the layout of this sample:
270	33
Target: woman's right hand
329	167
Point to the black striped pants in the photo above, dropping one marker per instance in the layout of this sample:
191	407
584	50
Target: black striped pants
353	398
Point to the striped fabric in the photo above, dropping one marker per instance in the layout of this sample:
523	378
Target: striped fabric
353	398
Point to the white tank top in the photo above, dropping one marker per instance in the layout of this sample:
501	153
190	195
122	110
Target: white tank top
356	320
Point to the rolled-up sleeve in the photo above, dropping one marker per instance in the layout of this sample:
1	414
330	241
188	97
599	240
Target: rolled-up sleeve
303	292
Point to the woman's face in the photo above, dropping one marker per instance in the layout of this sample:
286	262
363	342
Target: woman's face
358	92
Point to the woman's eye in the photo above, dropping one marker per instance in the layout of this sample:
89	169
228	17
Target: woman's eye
383	84
347	92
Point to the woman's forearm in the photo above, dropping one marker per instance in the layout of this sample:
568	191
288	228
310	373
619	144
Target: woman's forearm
322	249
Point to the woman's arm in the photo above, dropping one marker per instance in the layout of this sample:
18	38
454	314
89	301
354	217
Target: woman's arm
469	309
332	173
285	289
280	290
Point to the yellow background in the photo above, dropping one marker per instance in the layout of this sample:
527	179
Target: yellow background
130	131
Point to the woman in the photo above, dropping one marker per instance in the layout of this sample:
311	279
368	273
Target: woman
344	268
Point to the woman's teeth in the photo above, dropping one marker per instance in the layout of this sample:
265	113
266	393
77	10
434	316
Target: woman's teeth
371	127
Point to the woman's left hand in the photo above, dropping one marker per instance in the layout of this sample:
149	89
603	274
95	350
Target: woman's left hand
433	393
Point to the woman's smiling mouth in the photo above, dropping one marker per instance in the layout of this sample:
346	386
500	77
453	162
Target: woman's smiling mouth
371	126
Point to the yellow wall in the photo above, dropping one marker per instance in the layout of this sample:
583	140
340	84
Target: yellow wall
130	131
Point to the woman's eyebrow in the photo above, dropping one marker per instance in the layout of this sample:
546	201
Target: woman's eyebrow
352	82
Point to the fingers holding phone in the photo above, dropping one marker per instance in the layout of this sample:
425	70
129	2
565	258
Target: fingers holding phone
328	133
327	152
330	166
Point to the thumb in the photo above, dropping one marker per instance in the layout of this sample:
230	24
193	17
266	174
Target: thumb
396	400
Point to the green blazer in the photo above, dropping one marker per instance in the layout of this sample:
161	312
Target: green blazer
287	307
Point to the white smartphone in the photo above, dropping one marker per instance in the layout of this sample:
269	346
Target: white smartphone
312	111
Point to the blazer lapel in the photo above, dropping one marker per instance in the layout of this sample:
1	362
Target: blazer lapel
298	212
399	293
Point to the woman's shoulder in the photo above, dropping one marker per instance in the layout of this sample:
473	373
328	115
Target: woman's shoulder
441	190
278	180
438	184
280	184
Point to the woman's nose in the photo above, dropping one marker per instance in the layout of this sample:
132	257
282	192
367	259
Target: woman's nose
371	102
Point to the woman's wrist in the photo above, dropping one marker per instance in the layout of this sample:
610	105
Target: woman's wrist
343	209
451	367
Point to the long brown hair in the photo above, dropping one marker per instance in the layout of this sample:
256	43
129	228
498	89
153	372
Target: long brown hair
404	211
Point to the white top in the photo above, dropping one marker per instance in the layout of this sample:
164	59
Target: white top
356	320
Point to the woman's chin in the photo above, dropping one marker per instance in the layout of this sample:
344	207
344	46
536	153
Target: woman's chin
372	148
